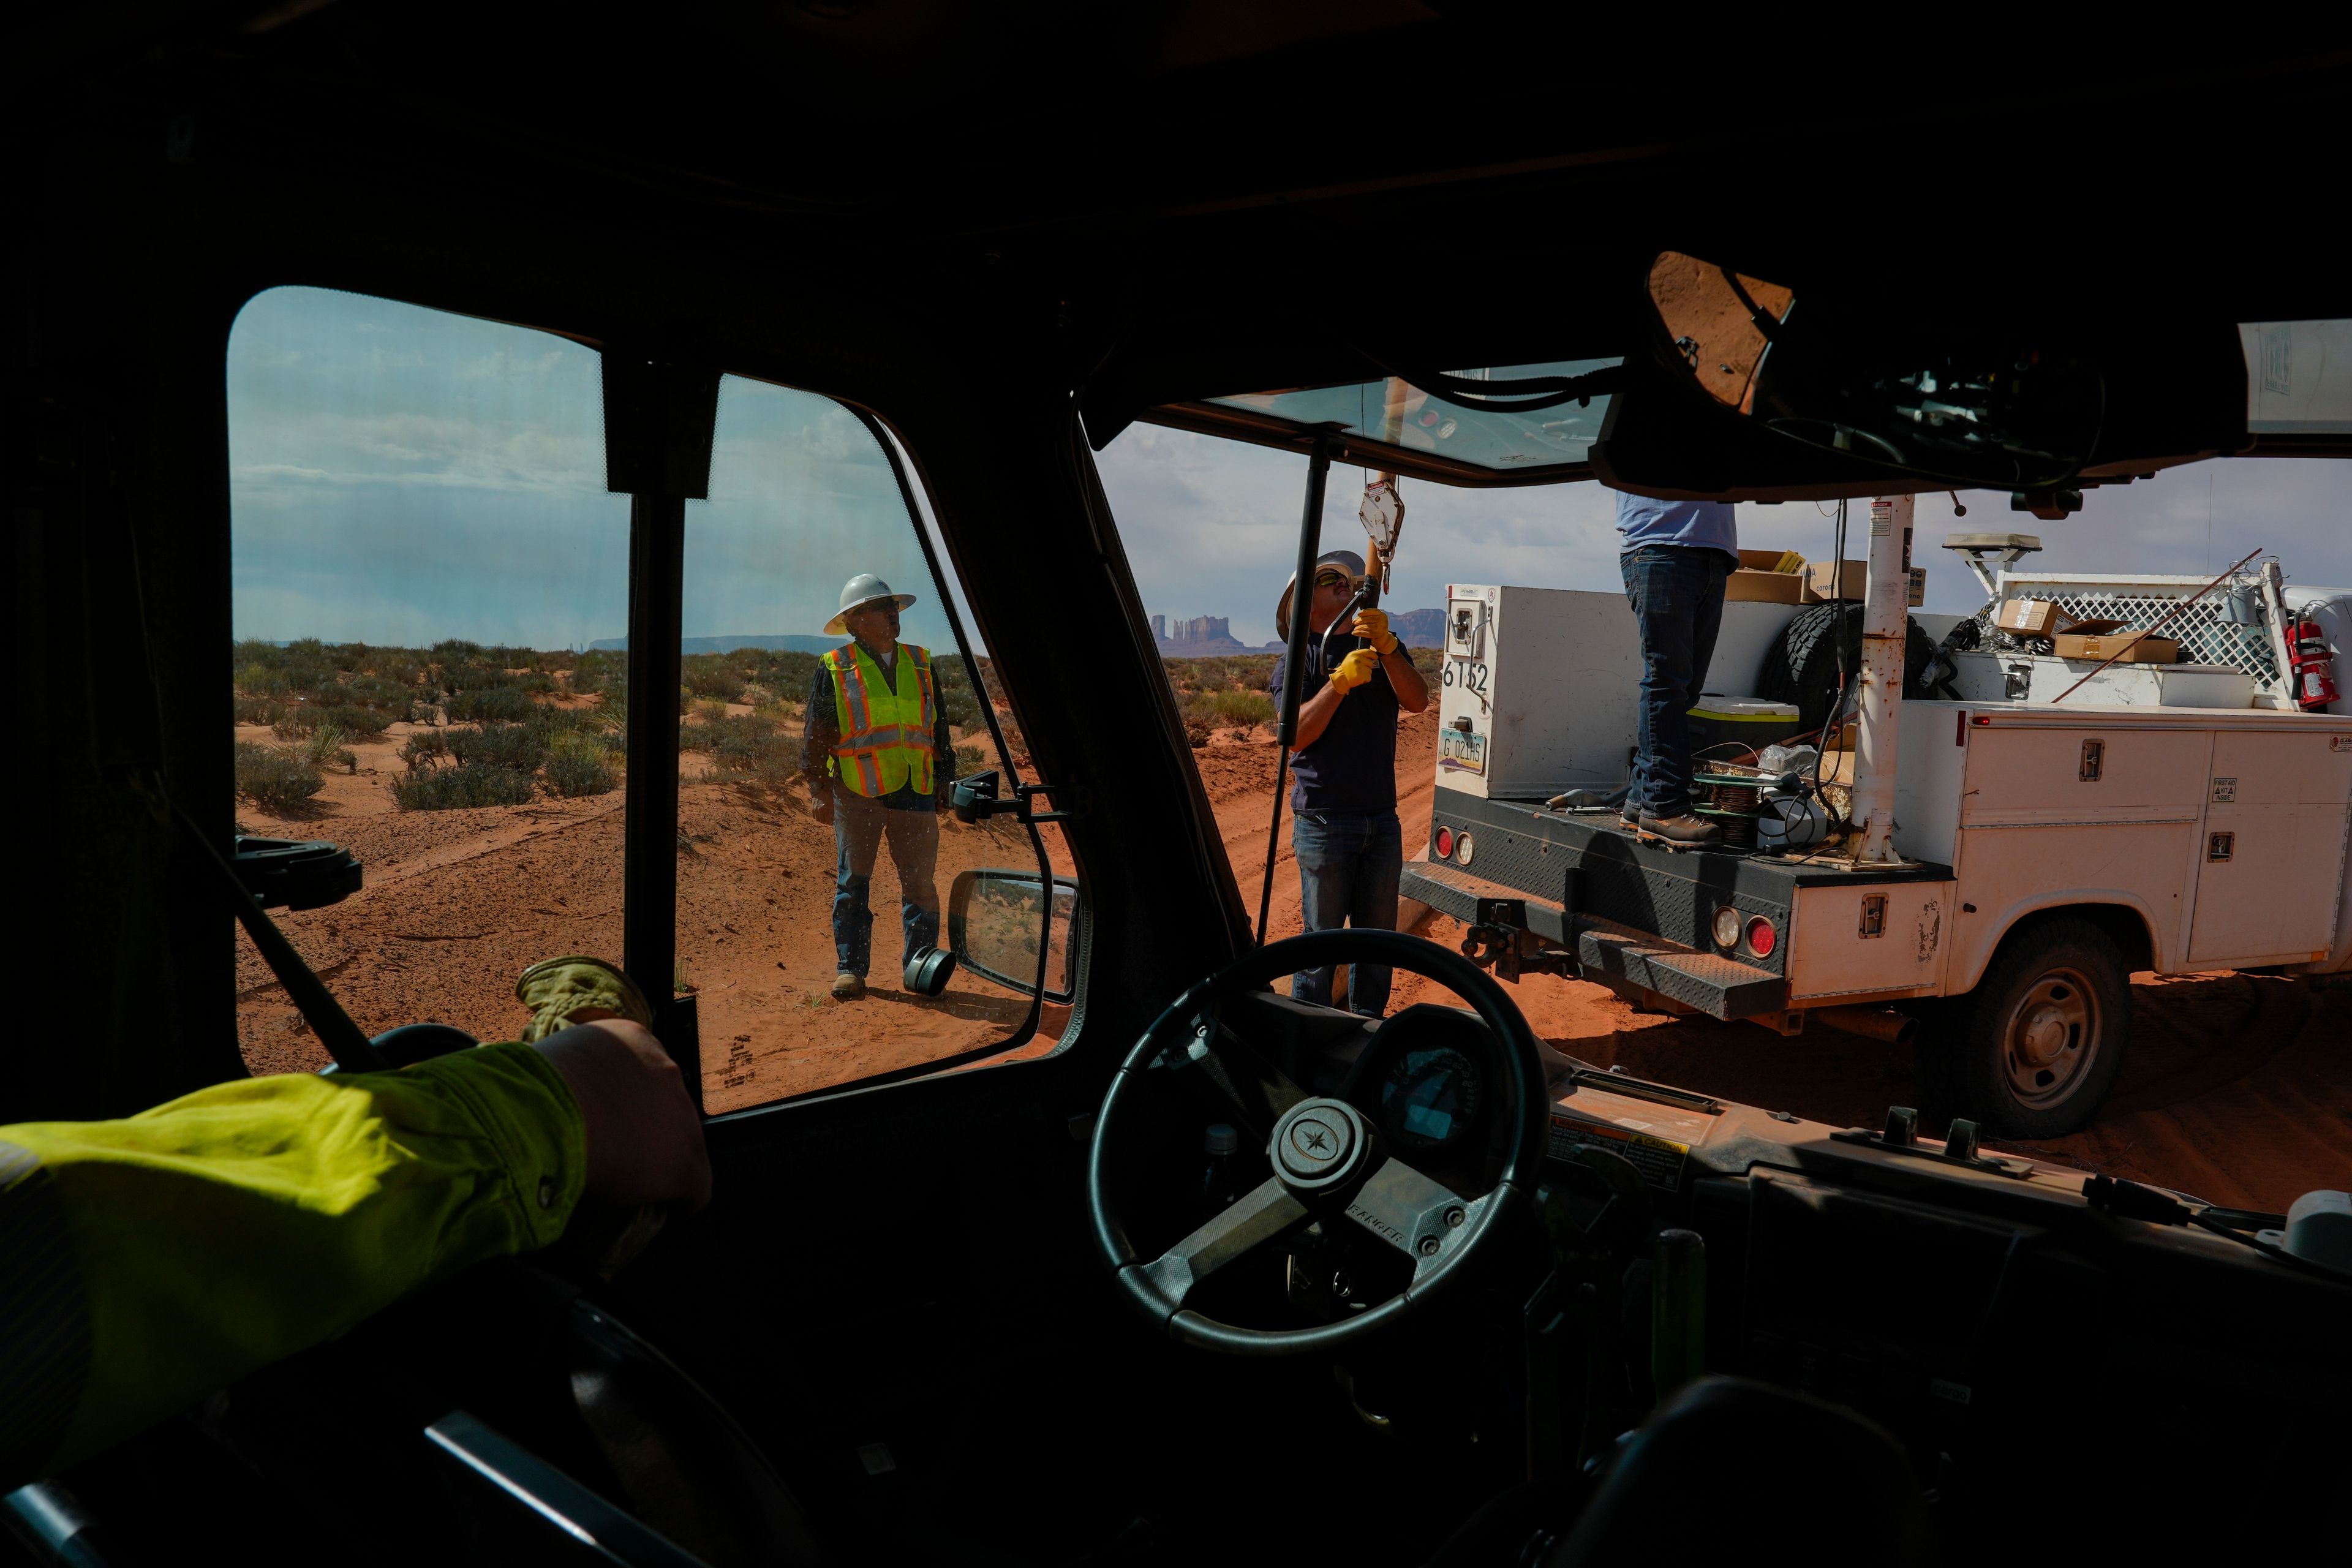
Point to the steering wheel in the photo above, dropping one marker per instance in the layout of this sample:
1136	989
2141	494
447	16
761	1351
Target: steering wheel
1327	1156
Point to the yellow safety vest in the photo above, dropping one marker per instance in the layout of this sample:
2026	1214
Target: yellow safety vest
886	735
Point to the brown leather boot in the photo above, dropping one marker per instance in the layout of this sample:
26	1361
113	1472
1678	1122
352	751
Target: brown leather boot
1686	828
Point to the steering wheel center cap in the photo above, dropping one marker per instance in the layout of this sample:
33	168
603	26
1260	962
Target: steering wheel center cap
1320	1144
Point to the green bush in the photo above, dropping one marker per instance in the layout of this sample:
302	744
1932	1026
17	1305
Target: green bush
324	748
577	765
447	789
301	719
494	704
275	781
259	710
971	760
498	746
712	675
1243	709
424	748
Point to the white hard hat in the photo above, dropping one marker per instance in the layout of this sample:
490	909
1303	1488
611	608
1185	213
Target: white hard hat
857	594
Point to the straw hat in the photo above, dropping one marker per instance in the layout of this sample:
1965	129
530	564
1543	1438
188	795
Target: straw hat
1347	561
857	594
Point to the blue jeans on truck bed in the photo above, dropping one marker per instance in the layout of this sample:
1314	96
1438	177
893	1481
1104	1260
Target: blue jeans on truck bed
1348	868
1676	592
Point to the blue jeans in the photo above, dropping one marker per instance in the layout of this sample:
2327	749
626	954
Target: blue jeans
1348	868
1676	592
859	828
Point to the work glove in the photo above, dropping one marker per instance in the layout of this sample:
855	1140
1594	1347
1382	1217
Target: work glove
1355	668
556	988
1373	624
821	800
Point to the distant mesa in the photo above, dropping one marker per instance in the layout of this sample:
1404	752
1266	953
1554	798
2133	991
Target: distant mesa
1414	628
765	642
1199	637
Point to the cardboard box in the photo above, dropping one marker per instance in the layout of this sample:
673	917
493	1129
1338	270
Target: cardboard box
2030	618
1824	581
2136	648
1772	560
1764	587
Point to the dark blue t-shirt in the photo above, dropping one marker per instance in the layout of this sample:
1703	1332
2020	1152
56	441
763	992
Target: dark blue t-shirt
1351	766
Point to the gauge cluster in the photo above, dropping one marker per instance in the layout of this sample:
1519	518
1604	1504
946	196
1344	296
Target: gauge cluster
1430	1080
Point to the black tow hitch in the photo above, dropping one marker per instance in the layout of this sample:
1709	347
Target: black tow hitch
1498	939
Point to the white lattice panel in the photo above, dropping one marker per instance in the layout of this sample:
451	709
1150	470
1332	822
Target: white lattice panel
2140	603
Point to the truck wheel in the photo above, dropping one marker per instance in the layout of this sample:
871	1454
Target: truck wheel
2032	1051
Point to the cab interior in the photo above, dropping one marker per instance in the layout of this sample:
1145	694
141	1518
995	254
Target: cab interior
1004	235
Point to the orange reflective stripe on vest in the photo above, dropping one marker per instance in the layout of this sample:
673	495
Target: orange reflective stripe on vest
886	732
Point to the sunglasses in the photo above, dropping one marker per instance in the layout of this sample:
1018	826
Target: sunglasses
1330	579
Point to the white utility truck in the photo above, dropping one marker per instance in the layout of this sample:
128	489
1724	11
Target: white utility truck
2045	843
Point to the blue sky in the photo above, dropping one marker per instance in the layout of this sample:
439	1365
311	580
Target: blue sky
400	475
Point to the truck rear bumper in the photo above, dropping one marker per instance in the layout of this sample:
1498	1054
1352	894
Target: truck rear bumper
1605	951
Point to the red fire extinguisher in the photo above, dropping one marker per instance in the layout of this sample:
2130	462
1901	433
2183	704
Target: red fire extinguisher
2313	665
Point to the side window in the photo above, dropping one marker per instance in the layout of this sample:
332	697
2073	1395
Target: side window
423	563
826	706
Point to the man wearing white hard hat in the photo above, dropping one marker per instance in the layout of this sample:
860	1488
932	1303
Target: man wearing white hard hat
1344	829
878	759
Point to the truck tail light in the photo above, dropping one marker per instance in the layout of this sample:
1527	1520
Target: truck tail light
1761	937
1726	927
1445	844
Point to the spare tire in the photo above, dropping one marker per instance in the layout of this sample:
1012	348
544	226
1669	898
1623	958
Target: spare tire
1805	660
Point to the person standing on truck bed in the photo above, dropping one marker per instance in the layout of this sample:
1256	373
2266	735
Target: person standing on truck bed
1343	808
878	759
1675	558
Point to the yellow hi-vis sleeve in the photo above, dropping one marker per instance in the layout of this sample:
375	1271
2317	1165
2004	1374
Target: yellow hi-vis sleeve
147	1261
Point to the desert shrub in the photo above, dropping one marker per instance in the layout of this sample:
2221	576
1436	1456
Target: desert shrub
323	747
498	746
274	780
492	704
304	719
601	669
457	650
396	700
475	678
445	789
259	710
971	760
577	765
535	680
958	699
261	680
1241	707
712	675
424	748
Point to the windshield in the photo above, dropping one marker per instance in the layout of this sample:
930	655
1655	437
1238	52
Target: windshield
1392	412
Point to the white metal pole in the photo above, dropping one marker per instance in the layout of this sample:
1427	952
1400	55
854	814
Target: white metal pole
1886	613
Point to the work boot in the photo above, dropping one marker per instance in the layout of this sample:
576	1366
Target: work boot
848	987
1687	828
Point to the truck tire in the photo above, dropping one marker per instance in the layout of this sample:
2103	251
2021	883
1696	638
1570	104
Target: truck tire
1802	663
2032	1051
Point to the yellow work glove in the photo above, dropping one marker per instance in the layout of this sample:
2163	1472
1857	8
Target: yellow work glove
556	988
1355	669
1373	624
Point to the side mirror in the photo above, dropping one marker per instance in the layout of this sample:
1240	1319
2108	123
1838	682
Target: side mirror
996	921
293	874
973	797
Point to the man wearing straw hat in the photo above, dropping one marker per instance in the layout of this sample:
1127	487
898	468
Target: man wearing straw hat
1344	829
879	761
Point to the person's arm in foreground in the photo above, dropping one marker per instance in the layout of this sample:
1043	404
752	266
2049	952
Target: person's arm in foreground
146	1261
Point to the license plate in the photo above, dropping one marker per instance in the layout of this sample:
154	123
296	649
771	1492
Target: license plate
1460	751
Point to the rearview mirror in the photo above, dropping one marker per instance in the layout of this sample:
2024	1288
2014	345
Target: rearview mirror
1983	405
997	921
